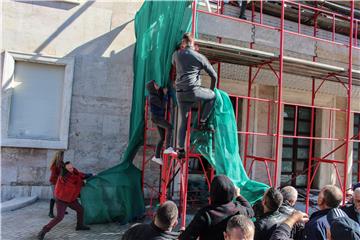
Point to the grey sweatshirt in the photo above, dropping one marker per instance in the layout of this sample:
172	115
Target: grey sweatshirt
189	64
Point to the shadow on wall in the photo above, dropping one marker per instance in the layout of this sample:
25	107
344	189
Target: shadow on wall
51	4
63	26
98	46
102	86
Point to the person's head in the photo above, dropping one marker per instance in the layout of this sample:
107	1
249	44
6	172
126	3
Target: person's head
166	216
239	227
69	167
356	199
272	200
330	196
290	195
356	185
58	158
222	190
187	40
152	86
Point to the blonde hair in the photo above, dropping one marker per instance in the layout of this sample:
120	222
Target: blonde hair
58	159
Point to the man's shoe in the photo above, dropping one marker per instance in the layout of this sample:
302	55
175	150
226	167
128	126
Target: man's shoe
181	153
82	227
157	160
170	151
41	235
243	17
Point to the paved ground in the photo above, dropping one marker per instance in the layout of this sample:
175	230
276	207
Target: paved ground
25	223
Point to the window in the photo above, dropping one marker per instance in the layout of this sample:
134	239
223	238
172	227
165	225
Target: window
356	149
36	98
295	152
238	112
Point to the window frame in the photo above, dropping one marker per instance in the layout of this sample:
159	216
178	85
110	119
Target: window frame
9	61
356	171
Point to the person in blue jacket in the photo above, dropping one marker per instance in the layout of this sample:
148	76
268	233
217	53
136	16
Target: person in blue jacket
329	198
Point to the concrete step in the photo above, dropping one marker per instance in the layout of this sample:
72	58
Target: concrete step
17	203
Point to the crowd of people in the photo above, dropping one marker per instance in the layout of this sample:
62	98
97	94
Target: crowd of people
231	217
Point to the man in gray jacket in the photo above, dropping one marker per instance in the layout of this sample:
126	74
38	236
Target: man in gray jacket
189	64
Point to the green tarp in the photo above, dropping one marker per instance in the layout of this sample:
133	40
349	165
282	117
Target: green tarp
221	148
115	194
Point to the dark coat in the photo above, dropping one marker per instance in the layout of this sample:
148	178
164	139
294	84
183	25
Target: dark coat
282	232
68	187
296	231
157	99
148	232
266	225
350	211
315	229
210	222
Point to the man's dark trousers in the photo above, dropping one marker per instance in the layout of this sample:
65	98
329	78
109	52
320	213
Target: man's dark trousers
162	126
60	212
186	100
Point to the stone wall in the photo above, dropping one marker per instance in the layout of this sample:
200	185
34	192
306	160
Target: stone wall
100	37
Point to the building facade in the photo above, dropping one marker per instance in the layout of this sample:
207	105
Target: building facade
86	48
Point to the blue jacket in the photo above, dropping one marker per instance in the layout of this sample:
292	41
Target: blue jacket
315	229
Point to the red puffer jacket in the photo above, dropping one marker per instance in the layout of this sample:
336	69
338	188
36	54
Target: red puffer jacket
68	187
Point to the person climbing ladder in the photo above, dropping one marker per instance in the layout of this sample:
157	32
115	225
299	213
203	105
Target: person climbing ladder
189	64
158	100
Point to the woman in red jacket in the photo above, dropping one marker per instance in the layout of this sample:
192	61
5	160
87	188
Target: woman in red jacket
55	169
67	190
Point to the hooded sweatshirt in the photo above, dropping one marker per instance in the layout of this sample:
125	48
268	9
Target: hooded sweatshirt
210	222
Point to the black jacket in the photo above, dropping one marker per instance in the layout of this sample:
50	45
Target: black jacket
157	99
210	222
148	232
296	232
282	232
266	225
350	211
315	228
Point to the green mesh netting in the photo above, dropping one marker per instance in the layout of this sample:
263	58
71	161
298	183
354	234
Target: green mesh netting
221	148
115	194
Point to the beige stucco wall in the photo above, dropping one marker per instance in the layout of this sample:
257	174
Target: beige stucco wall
99	35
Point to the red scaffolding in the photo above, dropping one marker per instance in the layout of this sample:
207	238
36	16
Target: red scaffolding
278	64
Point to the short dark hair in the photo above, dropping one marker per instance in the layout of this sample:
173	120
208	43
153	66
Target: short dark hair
66	163
167	214
273	199
187	38
243	223
332	195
